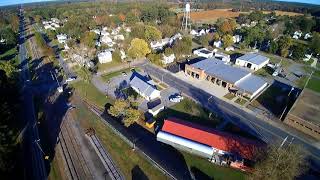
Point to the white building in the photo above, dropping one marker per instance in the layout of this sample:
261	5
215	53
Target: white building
253	61
297	35
122	54
230	48
222	56
106	39
144	86
118	37
203	52
307	57
236	38
217	44
194	32
105	56
62	38
168	59
158	45
307	36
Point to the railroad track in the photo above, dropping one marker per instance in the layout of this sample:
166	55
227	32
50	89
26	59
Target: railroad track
112	170
70	148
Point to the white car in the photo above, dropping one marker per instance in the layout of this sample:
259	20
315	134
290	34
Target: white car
176	98
70	79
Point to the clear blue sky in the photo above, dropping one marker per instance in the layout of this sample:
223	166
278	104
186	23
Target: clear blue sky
10	2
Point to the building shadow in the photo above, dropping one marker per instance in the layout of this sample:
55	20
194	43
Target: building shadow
138	174
199	175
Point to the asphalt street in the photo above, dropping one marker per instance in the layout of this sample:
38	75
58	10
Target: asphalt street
35	160
258	127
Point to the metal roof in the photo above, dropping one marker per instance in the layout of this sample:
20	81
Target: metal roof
251	83
254	58
219	69
244	147
143	86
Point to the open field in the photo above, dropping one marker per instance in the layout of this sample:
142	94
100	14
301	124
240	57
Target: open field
211	16
314	84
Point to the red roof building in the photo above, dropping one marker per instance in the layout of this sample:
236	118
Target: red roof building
235	145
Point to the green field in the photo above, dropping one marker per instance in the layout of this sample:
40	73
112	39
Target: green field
203	169
314	84
108	76
91	93
240	101
188	110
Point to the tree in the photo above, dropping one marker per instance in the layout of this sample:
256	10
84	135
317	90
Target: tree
155	58
168	51
9	69
119	107
122	17
314	45
284	43
216	37
167	30
131	116
256	16
205	39
152	33
131	18
254	35
298	51
138	48
138	31
306	23
89	39
116	56
227	40
183	46
273	47
227	26
279	163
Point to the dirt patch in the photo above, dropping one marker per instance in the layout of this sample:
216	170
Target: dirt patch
284	13
212	15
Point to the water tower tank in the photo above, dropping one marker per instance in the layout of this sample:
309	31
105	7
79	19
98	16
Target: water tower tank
187	7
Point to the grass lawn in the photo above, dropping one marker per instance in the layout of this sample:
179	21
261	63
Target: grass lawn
121	152
314	84
211	171
188	110
91	93
106	77
316	73
301	81
54	170
229	96
11	53
240	101
102	67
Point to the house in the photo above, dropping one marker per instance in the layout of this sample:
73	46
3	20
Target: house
202	32
104	33
194	32
177	36
307	57
227	77
106	39
118	37
217	44
203	52
66	47
55	25
97	31
105	56
128	29
48	26
217	146
122	54
79	59
168	59
230	48
144	86
222	56
307	36
236	38
158	45
297	34
155	106
62	38
253	61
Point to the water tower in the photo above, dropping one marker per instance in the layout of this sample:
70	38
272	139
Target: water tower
186	21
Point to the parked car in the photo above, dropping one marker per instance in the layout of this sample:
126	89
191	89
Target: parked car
71	79
176	98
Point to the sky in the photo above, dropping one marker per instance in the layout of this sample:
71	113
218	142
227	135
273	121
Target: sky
10	2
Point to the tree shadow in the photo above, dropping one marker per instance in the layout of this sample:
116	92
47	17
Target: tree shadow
138	174
199	175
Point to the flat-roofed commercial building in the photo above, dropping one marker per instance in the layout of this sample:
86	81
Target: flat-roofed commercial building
305	113
236	79
253	61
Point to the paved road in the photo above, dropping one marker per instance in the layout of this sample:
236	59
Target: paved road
269	132
36	166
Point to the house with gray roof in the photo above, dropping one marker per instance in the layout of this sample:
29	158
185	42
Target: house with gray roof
233	78
144	86
253	61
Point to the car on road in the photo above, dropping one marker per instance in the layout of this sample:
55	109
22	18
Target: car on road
176	98
71	79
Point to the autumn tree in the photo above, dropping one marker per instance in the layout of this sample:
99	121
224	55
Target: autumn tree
284	43
279	163
226	26
205	40
152	33
138	48
227	40
122	17
183	46
89	39
131	116
119	107
155	58
298	51
216	37
123	110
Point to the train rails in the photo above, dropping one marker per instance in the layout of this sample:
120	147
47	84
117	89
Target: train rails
71	152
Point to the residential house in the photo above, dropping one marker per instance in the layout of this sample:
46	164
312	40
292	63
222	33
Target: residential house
144	86
203	52
122	54
230	48
236	38
118	37
62	38
307	57
217	44
155	106
105	56
297	34
194	32
168	59
307	36
159	45
222	56
107	40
